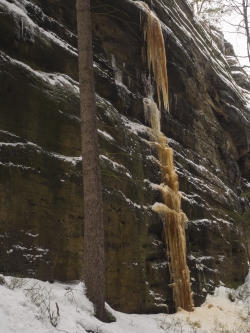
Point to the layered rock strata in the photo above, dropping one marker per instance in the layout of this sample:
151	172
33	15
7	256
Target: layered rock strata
41	215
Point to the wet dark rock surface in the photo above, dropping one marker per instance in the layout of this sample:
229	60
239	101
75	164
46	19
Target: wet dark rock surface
41	214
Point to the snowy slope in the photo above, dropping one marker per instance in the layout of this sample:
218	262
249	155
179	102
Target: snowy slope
27	304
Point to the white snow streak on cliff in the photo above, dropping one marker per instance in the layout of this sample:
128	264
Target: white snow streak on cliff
17	11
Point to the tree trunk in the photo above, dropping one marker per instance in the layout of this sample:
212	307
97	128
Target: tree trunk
245	16
94	265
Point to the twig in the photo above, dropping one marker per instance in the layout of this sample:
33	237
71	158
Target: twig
57	309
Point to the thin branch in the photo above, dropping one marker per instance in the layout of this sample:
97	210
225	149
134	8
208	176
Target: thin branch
242	56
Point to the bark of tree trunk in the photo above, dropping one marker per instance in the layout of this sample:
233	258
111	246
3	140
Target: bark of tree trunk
94	264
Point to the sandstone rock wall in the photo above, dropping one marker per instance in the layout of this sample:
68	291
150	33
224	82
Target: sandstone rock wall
41	214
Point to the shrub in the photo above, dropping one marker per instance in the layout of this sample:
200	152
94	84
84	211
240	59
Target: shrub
42	297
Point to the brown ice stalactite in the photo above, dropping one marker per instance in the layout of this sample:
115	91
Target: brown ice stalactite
156	54
175	219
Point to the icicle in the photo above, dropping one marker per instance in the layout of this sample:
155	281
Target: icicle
152	114
113	62
175	222
129	81
117	71
156	54
175	219
21	29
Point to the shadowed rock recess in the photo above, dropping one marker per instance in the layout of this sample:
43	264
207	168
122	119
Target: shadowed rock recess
41	203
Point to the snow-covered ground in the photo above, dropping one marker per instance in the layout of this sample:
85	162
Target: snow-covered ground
33	306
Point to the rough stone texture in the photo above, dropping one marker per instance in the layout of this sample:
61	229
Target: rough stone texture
41	215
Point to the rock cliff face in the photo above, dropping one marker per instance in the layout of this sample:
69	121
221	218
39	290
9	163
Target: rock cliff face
41	214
